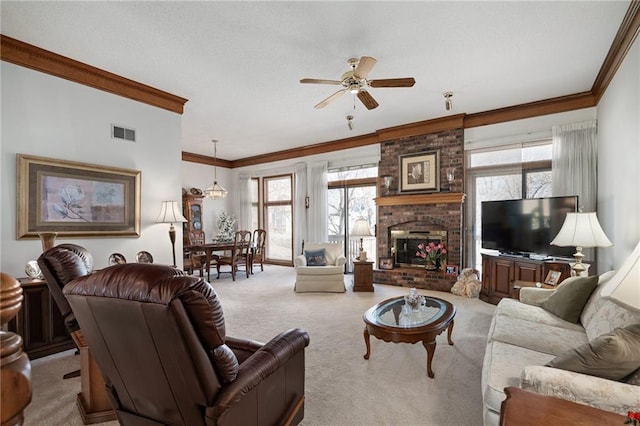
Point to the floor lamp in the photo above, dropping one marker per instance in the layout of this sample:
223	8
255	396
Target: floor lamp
170	212
581	230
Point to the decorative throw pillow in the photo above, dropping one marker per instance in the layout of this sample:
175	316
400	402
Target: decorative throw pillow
315	257
611	356
570	297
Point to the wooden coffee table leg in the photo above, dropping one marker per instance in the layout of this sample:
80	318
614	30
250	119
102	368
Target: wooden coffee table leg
366	342
431	349
449	331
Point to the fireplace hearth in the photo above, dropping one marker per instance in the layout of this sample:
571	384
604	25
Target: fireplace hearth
404	245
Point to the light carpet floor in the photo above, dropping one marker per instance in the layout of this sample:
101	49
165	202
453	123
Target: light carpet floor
391	388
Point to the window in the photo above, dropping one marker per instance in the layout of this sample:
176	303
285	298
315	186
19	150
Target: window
278	208
503	173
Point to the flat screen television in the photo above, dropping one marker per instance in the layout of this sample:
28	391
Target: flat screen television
526	226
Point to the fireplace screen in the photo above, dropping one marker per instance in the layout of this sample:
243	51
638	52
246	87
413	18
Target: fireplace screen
404	245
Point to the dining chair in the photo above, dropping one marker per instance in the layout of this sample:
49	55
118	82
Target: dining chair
240	255
258	249
194	259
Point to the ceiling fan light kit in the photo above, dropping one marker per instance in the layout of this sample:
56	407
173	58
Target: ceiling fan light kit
355	81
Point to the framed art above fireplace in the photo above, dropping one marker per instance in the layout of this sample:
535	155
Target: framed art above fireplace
420	172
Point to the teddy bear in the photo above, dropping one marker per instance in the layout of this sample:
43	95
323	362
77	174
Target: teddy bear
468	283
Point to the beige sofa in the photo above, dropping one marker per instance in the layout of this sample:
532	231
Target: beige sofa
523	337
327	278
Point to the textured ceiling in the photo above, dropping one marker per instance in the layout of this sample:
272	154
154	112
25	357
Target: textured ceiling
239	63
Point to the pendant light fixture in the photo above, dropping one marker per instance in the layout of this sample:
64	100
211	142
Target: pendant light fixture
215	191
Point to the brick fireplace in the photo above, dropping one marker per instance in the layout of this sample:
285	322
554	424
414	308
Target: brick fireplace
433	216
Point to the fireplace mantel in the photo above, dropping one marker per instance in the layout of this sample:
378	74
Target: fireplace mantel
410	199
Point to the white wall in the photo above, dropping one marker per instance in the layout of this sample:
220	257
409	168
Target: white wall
619	162
51	117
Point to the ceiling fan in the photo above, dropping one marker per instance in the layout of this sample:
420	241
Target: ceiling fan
355	81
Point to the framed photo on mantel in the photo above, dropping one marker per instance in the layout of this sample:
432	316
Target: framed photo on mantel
420	172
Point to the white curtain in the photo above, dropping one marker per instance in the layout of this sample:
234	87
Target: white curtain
574	162
574	166
299	209
244	198
318	199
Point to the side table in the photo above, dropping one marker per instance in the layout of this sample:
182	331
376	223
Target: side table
525	408
362	276
517	285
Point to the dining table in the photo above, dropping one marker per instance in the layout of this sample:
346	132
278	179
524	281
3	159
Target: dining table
217	246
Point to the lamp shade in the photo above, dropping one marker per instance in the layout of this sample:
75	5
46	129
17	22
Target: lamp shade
170	212
215	191
361	229
581	230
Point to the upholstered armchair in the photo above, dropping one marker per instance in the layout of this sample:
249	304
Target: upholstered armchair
159	338
320	268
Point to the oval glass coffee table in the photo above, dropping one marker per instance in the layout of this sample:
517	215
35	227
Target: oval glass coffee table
391	321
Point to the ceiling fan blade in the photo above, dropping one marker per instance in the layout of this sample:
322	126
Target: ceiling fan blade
368	101
365	65
393	82
319	81
330	99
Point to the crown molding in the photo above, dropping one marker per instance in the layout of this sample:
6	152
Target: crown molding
627	33
422	127
35	58
303	151
531	109
205	159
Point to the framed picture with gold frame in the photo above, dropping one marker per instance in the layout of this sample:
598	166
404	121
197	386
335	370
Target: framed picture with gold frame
552	277
75	199
420	172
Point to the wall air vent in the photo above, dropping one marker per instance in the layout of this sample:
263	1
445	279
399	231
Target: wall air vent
119	132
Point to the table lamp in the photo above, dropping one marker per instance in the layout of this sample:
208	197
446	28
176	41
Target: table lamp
170	212
581	230
361	229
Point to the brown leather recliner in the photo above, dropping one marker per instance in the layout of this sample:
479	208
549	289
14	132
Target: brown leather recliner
159	339
59	265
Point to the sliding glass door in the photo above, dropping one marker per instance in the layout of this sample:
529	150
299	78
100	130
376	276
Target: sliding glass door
350	198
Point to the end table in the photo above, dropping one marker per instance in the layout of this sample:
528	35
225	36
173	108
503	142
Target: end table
362	276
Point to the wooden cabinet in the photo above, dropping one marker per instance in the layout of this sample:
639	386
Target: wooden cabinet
39	322
192	229
362	276
500	272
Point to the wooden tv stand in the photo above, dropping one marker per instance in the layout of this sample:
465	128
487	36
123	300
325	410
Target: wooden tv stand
499	274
